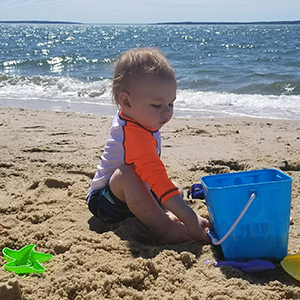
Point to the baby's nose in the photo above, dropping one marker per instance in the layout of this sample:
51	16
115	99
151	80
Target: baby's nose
167	110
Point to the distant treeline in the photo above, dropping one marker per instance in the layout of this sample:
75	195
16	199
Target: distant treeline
230	23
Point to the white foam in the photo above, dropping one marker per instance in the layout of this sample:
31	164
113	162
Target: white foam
228	104
93	96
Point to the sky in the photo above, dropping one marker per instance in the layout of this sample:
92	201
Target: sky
149	11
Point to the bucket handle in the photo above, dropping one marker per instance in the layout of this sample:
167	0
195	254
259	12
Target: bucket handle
214	238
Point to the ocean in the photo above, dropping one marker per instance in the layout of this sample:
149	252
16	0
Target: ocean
222	70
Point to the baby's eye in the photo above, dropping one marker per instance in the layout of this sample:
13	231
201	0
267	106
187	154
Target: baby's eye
156	105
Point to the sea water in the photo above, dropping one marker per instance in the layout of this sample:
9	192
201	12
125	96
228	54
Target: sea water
222	70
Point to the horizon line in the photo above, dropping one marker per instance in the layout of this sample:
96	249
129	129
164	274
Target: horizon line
154	23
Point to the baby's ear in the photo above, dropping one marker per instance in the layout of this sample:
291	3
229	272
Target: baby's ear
124	100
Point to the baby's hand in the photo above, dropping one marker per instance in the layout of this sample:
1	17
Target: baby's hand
195	225
196	228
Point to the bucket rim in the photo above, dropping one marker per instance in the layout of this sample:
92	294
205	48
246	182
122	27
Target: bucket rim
284	180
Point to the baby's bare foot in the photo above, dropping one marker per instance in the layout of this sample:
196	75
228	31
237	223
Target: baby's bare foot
176	233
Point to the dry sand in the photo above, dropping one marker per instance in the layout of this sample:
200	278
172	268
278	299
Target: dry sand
47	162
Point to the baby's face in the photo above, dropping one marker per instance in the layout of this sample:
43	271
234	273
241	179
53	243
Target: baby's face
151	99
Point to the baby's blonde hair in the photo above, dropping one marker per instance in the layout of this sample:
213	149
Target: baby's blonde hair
139	61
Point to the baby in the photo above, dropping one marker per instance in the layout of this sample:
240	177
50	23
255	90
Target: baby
131	179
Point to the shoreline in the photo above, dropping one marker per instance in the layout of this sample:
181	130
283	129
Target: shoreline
47	161
110	111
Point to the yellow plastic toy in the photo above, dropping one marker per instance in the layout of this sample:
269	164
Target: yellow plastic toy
291	264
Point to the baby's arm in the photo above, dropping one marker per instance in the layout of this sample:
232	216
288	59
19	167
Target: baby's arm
195	224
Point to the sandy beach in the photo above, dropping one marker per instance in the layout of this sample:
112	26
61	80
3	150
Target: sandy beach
47	162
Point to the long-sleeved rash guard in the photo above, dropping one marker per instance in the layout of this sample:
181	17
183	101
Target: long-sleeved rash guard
131	144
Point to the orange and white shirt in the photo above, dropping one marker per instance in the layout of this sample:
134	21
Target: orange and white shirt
130	143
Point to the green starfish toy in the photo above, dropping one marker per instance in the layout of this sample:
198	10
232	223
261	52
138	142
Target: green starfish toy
25	260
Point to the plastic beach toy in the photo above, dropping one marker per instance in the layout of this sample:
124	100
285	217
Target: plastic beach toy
252	266
196	191
25	260
291	264
259	231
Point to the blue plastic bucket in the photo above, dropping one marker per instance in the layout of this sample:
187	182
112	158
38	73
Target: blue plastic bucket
262	232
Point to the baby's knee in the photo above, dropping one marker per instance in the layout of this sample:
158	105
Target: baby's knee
124	170
124	174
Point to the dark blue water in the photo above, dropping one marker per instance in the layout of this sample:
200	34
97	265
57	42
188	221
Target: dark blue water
222	70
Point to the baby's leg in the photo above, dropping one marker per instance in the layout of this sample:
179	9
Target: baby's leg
128	187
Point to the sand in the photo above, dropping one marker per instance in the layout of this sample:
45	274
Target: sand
46	165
